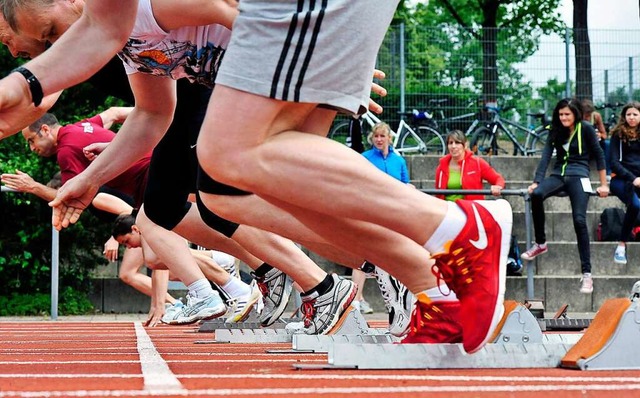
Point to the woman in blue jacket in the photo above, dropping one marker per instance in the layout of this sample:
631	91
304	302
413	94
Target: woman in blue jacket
382	154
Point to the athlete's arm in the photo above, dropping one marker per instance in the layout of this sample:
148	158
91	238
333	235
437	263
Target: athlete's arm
171	14
155	99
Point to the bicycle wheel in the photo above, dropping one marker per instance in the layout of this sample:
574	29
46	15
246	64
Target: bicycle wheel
539	141
482	142
424	140
340	133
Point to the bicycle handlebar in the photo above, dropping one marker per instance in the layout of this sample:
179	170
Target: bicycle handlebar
610	105
418	115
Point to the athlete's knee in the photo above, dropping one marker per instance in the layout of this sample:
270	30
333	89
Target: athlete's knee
126	276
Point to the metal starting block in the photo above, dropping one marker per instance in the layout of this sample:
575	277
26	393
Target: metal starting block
441	356
216	324
252	336
609	343
352	322
564	324
518	326
305	343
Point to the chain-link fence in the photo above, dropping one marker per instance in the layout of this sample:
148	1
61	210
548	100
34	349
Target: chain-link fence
469	69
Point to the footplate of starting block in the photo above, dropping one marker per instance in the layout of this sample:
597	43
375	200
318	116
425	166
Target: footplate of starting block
611	341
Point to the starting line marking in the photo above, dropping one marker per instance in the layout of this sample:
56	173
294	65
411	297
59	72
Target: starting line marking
328	390
155	370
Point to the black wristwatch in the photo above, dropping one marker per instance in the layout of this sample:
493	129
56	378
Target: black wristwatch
34	85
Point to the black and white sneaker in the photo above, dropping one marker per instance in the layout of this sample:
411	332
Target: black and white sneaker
398	300
275	287
322	312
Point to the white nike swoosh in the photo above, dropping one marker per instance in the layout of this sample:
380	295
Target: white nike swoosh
482	241
193	146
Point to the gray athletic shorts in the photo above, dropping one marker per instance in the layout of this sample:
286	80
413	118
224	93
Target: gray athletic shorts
289	51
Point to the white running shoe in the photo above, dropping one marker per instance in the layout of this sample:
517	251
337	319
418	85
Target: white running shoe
170	310
322	312
240	307
294	327
197	309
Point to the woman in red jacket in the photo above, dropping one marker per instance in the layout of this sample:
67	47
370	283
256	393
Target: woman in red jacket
461	169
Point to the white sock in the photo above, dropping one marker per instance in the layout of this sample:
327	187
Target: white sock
436	293
448	229
236	288
200	288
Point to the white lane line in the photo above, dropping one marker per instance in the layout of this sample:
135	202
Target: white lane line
131	351
290	360
333	376
325	390
156	372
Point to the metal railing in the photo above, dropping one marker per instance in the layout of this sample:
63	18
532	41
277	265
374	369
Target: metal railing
55	265
527	220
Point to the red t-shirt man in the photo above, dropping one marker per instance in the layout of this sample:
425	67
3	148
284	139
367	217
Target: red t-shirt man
73	138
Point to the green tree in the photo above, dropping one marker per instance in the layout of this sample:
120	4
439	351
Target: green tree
25	220
506	32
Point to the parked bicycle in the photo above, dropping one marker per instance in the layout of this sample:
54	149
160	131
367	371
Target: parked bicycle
436	119
487	139
611	119
407	138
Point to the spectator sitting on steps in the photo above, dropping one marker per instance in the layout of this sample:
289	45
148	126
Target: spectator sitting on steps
461	169
575	142
625	165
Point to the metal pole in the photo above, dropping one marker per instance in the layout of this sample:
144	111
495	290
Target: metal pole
567	48
630	79
606	90
55	250
402	70
527	228
54	272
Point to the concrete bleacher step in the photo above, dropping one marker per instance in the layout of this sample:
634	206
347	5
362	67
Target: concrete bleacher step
562	259
559	290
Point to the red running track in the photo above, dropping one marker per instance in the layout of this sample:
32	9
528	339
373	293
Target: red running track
71	359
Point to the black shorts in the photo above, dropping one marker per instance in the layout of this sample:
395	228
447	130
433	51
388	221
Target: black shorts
174	164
